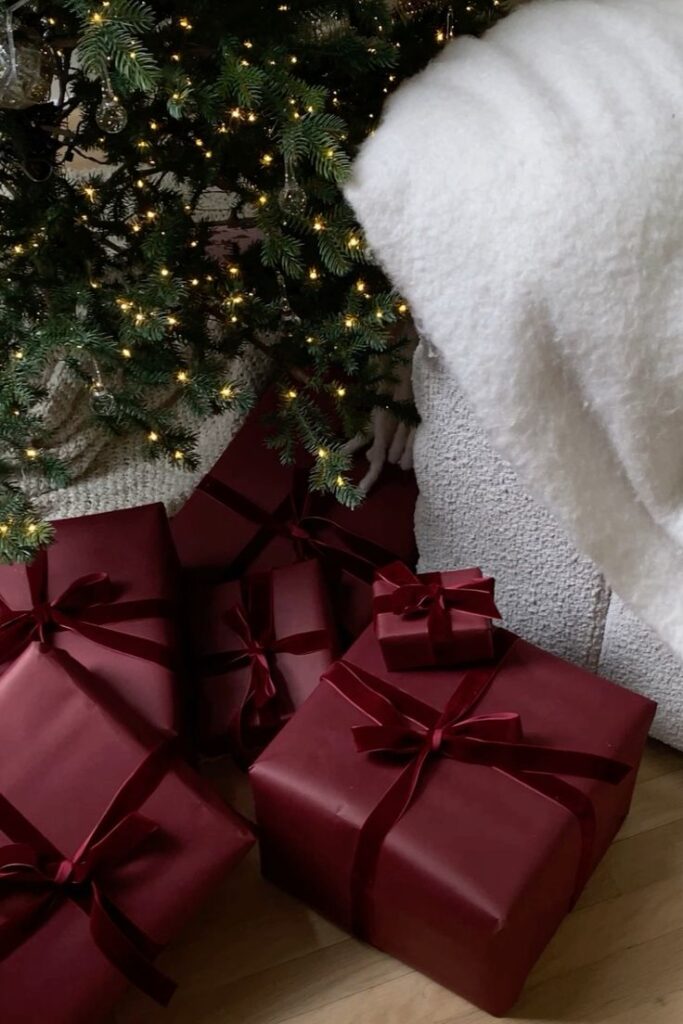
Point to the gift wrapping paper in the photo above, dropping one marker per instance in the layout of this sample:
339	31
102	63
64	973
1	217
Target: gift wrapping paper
108	842
106	591
260	648
450	817
251	513
436	618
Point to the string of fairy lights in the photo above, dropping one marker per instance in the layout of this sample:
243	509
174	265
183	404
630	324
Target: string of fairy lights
185	277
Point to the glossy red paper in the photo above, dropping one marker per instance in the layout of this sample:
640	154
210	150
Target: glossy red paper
133	547
62	759
474	879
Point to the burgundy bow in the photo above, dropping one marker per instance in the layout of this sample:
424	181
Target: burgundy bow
406	728
35	877
85	604
295	521
265	703
430	597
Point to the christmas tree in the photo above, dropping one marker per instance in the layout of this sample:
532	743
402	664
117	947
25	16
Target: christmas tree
116	275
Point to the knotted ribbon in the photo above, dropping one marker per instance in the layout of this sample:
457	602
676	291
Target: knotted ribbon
35	877
265	703
295	521
432	596
406	729
84	607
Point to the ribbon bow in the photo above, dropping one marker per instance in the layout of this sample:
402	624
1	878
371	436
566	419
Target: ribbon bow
266	702
294	521
83	607
408	730
35	877
431	597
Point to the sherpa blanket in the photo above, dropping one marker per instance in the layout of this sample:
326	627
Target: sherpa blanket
525	193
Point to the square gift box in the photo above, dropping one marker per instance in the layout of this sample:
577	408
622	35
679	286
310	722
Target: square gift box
108	842
450	817
106	591
250	513
260	648
436	618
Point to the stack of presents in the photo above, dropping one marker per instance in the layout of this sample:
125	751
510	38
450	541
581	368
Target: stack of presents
420	776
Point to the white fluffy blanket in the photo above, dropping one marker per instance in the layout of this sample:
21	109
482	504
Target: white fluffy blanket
525	193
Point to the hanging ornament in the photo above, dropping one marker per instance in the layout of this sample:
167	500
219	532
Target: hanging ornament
328	26
289	318
111	115
293	197
101	399
26	69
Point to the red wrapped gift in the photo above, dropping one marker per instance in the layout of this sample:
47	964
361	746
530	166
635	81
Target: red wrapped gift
437	618
107	844
251	513
262	646
107	587
450	817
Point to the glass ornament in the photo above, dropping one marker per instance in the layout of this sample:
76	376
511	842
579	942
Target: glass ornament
26	73
111	115
293	197
101	399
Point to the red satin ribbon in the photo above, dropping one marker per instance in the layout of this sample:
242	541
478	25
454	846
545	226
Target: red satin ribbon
35	877
407	729
429	597
294	521
83	607
265	703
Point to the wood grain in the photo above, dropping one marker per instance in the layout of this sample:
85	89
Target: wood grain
256	956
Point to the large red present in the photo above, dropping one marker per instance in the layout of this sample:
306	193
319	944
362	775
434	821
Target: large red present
251	513
107	844
437	618
106	591
450	817
261	646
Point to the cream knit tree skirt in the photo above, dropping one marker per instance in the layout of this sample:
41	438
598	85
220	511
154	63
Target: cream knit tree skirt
110	473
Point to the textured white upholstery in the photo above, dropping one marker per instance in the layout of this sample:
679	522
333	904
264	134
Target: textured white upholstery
473	511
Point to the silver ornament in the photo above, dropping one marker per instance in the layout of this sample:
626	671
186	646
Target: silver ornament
293	197
111	115
101	399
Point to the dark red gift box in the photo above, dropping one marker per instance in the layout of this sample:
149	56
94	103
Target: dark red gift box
450	817
436	618
107	844
251	513
261	648
106	591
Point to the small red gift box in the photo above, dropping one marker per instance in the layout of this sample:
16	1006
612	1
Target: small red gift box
450	817
436	618
108	842
251	513
106	591
261	648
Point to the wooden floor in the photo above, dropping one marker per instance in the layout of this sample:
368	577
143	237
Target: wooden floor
256	956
